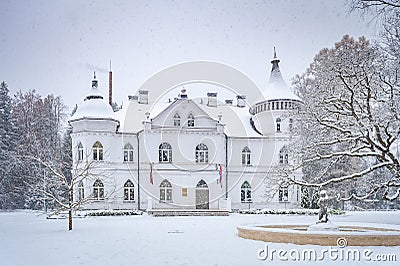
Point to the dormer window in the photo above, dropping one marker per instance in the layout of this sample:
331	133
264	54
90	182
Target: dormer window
177	120
190	121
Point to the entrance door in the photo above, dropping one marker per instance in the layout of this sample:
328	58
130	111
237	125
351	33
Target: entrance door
202	195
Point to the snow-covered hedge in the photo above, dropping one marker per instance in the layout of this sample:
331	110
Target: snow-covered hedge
289	211
113	212
86	213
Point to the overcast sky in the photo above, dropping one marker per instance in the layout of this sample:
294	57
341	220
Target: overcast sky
54	46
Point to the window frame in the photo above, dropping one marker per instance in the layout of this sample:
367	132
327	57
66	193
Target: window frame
283	194
98	151
98	190
278	124
246	156
128	152
201	153
190	120
284	156
81	191
165	191
177	120
245	193
165	153
80	151
129	191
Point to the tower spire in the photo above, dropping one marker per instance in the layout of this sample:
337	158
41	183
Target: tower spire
276	75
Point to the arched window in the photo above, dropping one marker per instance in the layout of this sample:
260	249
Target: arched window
284	156
98	190
165	191
202	184
97	151
246	156
165	152
81	191
177	120
190	121
283	194
278	124
128	153
290	125
245	192
201	153
129	191
80	151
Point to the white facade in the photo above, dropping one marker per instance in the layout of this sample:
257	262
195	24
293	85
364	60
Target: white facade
187	153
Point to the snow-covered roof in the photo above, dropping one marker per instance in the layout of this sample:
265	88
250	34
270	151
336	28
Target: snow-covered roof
236	120
277	87
94	106
132	115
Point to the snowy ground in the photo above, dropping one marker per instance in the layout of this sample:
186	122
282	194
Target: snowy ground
27	238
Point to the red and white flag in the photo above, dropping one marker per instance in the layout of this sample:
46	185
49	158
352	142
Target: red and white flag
151	173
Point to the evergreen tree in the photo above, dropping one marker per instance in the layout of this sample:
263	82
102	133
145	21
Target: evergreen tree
8	184
305	198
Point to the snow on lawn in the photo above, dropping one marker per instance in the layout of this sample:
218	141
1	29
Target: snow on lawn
28	238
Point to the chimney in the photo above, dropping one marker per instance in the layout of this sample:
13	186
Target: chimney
212	99
143	97
183	94
110	86
228	102
241	100
132	97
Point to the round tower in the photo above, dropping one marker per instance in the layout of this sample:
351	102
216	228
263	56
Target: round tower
271	114
93	126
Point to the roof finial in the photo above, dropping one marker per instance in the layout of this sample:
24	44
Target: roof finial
275	61
94	81
110	65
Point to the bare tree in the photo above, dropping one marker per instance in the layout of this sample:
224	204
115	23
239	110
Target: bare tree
59	187
350	117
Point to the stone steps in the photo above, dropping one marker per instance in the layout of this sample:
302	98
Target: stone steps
187	212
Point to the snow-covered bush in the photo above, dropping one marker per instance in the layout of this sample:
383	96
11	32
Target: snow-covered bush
289	211
113	212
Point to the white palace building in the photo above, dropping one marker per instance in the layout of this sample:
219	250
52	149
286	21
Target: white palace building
186	153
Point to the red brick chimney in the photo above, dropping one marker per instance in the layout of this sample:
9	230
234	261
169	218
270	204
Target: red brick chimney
110	86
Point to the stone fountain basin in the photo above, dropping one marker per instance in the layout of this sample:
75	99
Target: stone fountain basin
349	234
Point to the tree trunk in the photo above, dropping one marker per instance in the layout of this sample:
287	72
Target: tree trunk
70	219
70	199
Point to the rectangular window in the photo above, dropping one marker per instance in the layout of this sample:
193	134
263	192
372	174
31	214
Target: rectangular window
184	192
162	194
169	194
80	155
81	193
283	194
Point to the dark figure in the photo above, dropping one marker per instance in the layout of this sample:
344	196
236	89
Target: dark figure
323	209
